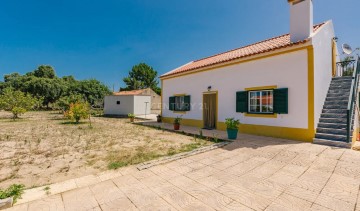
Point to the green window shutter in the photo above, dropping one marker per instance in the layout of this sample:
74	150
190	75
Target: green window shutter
172	103
242	101
281	101
187	103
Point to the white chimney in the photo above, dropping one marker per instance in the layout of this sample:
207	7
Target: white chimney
301	19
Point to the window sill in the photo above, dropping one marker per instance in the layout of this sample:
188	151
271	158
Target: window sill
179	112
261	115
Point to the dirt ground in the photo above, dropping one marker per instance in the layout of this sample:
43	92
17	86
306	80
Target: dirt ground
43	148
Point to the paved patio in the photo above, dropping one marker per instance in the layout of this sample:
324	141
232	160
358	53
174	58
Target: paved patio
252	173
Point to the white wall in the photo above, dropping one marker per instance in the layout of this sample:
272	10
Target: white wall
284	71
322	42
140	106
126	105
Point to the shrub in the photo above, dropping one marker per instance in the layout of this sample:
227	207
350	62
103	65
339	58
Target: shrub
64	102
14	191
177	120
232	123
131	116
78	111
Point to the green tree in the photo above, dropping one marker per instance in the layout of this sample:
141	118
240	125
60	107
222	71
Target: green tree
44	71
11	77
16	102
49	89
92	90
141	76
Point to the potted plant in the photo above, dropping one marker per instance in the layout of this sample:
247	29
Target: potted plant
131	117
232	127
158	118
177	122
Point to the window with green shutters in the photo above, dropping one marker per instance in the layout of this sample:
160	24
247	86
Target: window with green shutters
262	101
179	103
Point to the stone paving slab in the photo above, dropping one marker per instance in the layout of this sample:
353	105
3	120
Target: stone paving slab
252	173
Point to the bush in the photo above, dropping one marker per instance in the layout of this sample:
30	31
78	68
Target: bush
14	191
232	123
64	102
78	111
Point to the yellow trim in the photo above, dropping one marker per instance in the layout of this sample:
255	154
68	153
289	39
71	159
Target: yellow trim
179	95
299	134
260	88
261	115
188	122
233	63
333	57
217	106
261	130
311	103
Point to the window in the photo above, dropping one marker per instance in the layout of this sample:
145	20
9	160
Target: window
261	101
118	102
179	103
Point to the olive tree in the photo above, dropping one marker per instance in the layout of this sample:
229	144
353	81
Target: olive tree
16	102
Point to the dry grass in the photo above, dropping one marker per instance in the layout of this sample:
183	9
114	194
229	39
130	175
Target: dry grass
41	148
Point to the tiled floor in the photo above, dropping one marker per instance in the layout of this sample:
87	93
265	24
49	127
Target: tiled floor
253	173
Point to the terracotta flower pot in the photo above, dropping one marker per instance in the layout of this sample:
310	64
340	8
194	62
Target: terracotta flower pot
132	119
176	126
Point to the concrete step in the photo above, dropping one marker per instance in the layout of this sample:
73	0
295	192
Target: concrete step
334	111
341	81
331	115
343	95
331	137
332	143
338	91
333	120
336	102
342	84
343	88
331	131
331	125
342	78
343	106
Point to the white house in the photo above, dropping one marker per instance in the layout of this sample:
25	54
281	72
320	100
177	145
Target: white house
126	102
276	87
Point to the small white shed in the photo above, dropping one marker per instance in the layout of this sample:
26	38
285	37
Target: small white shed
124	104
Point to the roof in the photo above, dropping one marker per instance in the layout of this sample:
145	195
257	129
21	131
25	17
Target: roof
268	45
132	92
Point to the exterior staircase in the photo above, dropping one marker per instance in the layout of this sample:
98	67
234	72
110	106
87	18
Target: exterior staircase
332	127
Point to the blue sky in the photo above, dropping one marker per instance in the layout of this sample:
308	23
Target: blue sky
104	39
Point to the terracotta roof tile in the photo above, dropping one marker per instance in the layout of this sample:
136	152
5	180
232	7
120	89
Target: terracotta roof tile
268	45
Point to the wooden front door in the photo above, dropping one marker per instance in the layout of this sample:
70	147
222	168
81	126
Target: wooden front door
209	110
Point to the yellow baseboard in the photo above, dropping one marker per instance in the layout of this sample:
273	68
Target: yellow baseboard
261	130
